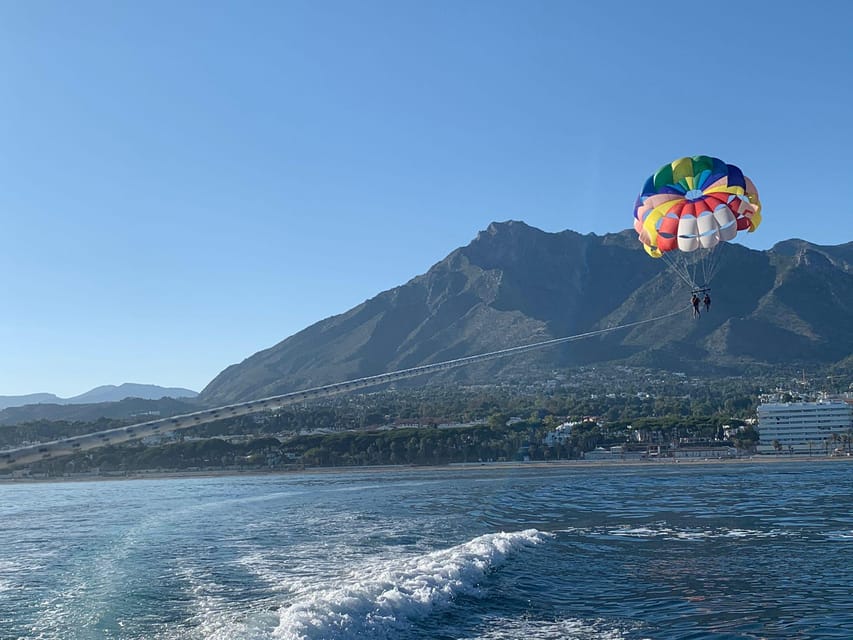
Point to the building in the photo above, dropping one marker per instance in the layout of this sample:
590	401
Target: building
617	452
560	435
803	427
706	452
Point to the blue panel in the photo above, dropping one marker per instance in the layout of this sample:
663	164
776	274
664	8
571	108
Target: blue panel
736	177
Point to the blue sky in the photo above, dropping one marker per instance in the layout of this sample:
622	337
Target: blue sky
185	183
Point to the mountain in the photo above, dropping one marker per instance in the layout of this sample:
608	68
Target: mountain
106	393
514	284
112	393
841	255
136	409
31	398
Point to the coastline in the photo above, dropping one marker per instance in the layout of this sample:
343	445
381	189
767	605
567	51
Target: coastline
456	466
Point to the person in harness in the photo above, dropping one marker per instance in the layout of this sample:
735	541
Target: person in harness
695	302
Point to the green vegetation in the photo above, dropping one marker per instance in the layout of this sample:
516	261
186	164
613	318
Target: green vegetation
435	425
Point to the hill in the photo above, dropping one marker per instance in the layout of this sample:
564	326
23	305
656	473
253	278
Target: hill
105	393
131	409
514	284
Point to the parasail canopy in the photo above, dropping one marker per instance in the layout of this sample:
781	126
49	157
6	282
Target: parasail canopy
692	205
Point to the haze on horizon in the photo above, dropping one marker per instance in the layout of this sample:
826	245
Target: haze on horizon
182	185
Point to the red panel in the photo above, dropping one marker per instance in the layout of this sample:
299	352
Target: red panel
735	205
667	244
677	207
668	227
701	207
689	208
714	200
742	223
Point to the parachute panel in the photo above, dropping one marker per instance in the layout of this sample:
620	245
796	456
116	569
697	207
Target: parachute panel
687	234
708	229
726	223
691	206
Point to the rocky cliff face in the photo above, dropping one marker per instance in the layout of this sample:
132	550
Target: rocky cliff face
514	284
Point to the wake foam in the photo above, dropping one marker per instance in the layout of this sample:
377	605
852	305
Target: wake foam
661	530
569	629
382	601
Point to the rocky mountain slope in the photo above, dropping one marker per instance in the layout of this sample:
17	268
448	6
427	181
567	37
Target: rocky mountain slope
514	284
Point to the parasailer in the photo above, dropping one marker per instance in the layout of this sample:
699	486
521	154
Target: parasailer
688	208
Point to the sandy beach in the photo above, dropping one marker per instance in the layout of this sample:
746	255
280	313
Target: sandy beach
460	466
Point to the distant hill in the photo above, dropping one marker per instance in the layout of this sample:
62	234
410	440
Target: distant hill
514	284
132	409
32	398
112	393
106	393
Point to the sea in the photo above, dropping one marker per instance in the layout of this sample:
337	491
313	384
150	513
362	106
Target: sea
661	550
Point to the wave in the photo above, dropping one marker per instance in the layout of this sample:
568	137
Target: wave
839	536
662	530
567	629
8	571
382	601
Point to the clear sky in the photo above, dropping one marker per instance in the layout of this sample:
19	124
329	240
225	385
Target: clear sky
185	183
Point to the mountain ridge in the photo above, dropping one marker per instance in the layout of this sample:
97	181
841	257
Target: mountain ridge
515	284
103	393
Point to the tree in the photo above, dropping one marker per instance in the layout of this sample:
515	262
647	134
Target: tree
498	420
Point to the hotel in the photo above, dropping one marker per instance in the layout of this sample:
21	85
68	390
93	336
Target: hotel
803	427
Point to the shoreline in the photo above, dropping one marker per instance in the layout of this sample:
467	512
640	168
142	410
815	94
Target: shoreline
455	466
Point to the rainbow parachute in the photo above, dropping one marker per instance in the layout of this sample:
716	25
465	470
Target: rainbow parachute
692	205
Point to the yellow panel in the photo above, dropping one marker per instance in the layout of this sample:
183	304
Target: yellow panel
738	191
654	253
681	169
654	215
754	221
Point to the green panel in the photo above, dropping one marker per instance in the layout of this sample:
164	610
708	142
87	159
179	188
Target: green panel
664	176
701	163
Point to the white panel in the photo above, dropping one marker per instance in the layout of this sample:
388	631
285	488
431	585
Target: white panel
728	225
687	232
708	227
711	240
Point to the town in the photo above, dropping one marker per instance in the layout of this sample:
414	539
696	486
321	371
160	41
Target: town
573	415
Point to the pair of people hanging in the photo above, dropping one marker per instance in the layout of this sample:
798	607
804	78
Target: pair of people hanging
694	300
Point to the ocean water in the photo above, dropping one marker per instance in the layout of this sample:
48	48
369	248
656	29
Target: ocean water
620	552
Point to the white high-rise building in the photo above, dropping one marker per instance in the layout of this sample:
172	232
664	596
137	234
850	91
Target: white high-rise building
803	427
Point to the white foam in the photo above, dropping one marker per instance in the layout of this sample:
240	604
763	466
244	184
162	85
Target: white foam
570	629
840	535
661	530
8	570
383	600
215	616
